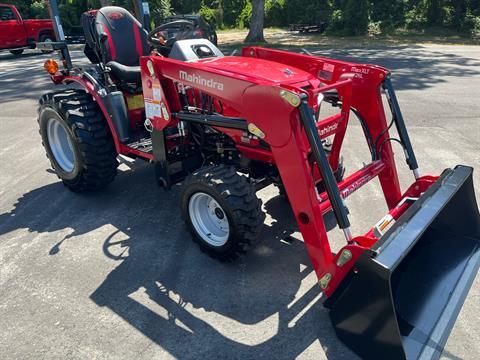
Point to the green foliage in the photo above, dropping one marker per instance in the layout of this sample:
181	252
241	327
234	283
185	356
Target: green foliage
187	6
245	16
160	9
275	12
476	26
69	16
22	6
233	11
209	14
337	20
434	12
356	17
472	23
415	16
375	28
347	17
38	10
306	12
387	14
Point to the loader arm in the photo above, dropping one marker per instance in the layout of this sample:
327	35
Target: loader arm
365	98
257	102
368	282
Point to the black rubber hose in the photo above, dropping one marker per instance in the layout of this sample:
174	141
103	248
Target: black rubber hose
333	99
367	133
310	127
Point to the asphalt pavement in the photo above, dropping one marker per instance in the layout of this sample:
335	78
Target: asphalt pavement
114	274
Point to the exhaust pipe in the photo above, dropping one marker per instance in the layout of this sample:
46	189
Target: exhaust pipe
401	299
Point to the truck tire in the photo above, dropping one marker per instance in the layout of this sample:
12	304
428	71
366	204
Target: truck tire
221	211
16	52
214	38
46	38
77	140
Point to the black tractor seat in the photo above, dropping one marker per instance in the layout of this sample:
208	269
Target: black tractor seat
119	40
130	74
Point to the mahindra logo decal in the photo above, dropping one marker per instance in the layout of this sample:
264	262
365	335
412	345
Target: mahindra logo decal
115	15
328	129
197	79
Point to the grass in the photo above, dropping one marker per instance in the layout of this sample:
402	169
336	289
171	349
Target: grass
276	37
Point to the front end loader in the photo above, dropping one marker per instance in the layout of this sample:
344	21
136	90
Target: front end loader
228	126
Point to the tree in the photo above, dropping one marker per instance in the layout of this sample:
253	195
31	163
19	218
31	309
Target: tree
459	12
160	9
255	34
356	17
389	13
434	12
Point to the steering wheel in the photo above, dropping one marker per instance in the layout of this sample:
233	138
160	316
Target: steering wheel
185	28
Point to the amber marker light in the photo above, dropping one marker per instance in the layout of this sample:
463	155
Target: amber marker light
50	66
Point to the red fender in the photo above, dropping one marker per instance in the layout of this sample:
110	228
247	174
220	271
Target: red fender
87	85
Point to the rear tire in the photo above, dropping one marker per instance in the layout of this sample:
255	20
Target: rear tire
16	52
234	206
77	140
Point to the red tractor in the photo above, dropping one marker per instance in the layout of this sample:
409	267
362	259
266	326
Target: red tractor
227	126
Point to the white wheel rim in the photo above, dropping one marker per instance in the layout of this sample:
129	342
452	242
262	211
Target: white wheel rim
47	40
60	145
209	219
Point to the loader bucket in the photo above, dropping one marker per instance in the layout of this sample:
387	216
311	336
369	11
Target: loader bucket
402	298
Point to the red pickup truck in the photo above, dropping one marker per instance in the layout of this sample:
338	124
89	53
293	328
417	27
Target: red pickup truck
17	34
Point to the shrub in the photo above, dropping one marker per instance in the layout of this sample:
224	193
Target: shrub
374	28
337	22
356	17
245	16
209	14
160	9
473	23
38	10
275	13
415	18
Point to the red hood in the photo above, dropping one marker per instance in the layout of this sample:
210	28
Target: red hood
268	71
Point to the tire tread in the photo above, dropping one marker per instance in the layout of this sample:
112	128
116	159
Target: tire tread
239	194
93	137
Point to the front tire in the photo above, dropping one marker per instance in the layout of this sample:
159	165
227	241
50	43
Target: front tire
221	211
77	140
